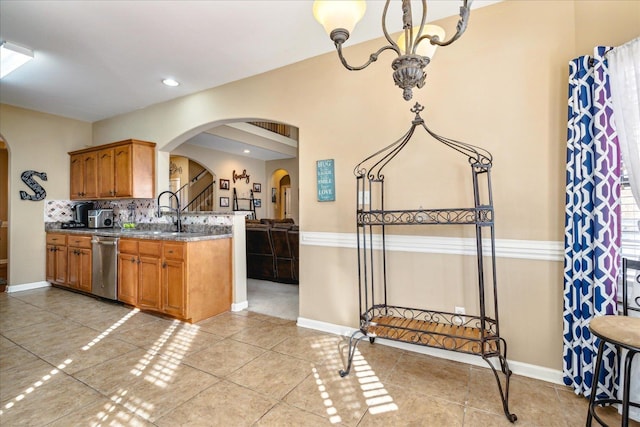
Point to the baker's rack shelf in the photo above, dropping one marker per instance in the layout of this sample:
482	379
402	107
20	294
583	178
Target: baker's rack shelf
477	335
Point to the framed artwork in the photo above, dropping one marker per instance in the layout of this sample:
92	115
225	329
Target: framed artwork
224	201
273	195
257	188
224	184
257	203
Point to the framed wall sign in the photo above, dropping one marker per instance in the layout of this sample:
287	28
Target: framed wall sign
326	179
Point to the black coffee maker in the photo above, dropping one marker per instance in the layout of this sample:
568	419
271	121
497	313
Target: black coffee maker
80	215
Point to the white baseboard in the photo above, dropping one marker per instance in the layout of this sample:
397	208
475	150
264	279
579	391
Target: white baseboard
27	286
239	306
519	368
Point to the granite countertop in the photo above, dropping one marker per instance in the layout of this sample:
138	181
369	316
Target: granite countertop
146	234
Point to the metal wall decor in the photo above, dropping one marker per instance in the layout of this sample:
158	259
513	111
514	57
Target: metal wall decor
380	316
39	192
243	175
409	65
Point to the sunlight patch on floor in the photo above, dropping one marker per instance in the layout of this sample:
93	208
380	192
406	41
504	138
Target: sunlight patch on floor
110	329
67	362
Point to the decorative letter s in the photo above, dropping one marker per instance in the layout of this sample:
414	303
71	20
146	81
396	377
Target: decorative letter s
27	178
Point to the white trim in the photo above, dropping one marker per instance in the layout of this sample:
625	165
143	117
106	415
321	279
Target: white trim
239	306
505	248
27	286
519	368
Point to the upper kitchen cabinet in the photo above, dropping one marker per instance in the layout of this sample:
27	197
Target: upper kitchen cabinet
84	175
124	169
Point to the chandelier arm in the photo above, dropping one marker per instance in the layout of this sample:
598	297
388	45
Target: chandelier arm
423	21
392	42
460	28
372	58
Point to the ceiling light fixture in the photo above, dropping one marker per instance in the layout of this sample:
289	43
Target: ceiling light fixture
171	82
340	17
12	57
245	151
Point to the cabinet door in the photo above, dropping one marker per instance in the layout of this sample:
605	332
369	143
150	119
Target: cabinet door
123	171
90	165
84	269
73	267
149	289
51	263
77	177
106	183
128	278
173	287
60	265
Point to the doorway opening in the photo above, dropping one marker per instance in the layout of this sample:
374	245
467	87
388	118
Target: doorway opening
193	183
4	215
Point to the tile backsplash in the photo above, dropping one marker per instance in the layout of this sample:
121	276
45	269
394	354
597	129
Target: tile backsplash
144	210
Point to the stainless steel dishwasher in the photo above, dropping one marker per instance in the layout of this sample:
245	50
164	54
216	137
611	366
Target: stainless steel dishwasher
104	273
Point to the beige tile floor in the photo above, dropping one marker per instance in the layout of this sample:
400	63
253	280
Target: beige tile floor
71	360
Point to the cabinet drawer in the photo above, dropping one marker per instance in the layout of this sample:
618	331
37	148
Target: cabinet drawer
174	251
56	239
127	246
150	248
79	242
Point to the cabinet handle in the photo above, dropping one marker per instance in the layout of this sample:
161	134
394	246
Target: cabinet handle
170	252
164	265
133	259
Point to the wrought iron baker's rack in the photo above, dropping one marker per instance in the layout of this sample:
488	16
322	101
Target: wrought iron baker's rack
472	334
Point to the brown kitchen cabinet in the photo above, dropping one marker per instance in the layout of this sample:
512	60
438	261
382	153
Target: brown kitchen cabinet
173	279
56	269
139	273
84	176
124	169
128	271
79	255
187	280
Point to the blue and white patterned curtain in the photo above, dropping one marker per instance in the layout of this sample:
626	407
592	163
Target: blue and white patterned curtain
592	223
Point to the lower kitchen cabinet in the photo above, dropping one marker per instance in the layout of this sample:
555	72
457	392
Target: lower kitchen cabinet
187	280
79	262
149	289
56	269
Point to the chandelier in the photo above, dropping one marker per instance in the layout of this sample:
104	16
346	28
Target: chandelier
415	47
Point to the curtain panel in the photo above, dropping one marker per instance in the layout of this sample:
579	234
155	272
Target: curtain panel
592	223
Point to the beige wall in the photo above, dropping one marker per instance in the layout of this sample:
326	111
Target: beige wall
37	142
501	86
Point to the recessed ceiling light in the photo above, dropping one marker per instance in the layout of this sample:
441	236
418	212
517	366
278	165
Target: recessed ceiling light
246	151
170	82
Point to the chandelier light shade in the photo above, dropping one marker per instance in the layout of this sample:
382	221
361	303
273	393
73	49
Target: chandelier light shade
415	47
339	14
12	57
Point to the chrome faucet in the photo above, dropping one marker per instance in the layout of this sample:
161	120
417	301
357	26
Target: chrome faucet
176	209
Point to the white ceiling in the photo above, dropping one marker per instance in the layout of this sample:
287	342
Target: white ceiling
97	59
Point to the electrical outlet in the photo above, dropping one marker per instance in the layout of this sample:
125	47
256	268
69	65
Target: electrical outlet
458	320
459	310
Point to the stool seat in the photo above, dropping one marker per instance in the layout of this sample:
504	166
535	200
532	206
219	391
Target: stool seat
620	330
623	332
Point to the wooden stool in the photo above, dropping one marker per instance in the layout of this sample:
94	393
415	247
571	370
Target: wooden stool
624	333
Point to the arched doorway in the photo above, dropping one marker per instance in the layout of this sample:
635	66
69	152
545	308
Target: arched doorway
4	214
194	184
214	147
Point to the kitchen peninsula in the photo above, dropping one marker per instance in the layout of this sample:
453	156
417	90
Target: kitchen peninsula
185	275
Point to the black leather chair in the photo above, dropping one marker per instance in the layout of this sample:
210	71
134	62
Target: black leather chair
260	257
